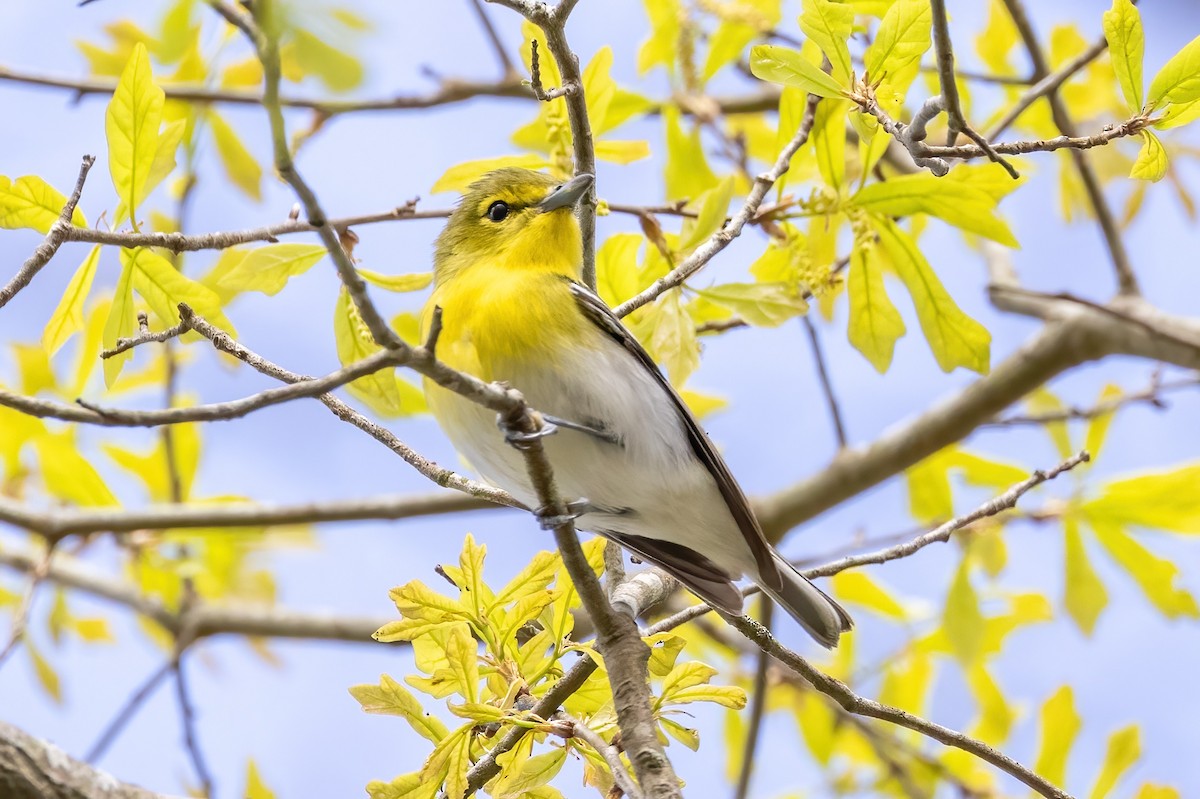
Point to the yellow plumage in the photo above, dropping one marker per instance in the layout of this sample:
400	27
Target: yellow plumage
628	453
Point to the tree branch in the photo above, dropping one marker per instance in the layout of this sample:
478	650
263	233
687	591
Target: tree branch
949	83
626	655
54	238
33	769
1126	281
853	703
733	227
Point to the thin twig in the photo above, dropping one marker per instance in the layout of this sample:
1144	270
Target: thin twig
54	238
88	413
1126	280
941	534
758	707
945	63
535	79
861	706
187	717
732	229
20	621
128	710
506	63
607	751
1045	86
1151	395
835	412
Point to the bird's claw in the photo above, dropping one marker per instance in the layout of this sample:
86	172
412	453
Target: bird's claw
575	509
519	438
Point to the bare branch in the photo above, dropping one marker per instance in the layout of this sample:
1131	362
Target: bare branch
941	534
731	229
607	751
1075	334
145	336
86	412
835	412
33	769
54	238
1047	85
59	523
626	655
949	84
1126	281
758	707
861	706
506	64
447	478
204	620
187	718
21	616
128	710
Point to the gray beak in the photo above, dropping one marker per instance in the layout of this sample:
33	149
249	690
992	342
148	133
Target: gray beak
567	194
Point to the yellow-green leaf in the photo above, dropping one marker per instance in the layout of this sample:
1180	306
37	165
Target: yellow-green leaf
30	202
46	675
255	787
407	786
1178	81
955	338
686	173
380	390
67	474
460	176
242	168
904	36
829	25
670	335
1124	749
1162	500
617	269
131	125
393	699
953	202
1060	725
874	323
1084	595
1097	429
856	587
164	287
622	152
1151	163
333	66
67	318
1151	791
1157	577
268	268
121	322
761	304
962	620
1126	45
788	67
713	208
398	283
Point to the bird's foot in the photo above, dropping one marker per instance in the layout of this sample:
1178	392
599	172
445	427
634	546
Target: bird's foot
521	439
548	520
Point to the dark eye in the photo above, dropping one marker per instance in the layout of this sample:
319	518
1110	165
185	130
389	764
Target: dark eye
497	211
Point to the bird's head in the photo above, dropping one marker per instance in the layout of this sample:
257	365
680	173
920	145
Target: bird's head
517	217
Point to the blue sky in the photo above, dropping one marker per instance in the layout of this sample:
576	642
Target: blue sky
306	733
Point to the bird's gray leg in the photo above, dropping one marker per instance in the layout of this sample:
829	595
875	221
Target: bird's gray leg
575	509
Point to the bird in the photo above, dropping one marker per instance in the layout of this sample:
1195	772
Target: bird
626	450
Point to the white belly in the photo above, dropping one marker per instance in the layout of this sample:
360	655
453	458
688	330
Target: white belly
652	484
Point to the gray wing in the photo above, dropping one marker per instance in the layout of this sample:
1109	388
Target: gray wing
595	310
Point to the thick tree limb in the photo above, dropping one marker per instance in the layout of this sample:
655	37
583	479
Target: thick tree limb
1074	334
33	769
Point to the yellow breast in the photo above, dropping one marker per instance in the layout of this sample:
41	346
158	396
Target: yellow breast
496	318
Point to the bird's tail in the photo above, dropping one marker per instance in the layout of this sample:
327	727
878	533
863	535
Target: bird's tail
824	619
